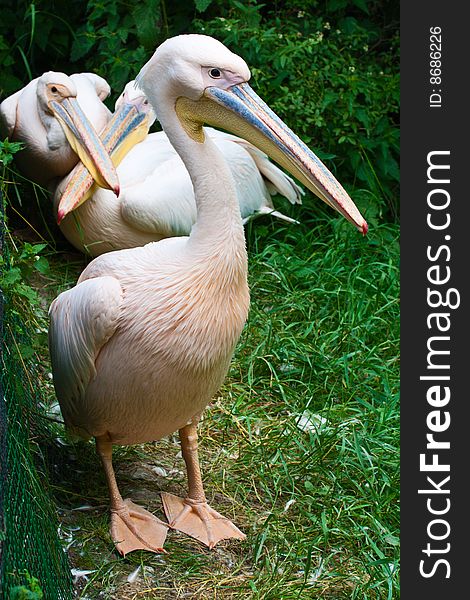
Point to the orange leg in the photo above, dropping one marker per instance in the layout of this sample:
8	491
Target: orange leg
132	527
193	515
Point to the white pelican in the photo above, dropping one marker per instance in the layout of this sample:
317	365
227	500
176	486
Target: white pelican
157	197
143	341
48	116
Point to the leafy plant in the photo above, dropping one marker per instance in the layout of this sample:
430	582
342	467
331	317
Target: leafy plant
35	37
118	38
17	270
19	264
8	150
31	591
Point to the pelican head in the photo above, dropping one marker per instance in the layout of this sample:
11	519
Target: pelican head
129	125
131	121
208	84
132	94
57	102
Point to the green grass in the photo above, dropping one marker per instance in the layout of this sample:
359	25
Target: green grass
319	504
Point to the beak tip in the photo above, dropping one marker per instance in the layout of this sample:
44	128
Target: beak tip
60	215
364	228
117	190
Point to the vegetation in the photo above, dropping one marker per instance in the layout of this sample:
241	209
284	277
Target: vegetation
30	592
300	447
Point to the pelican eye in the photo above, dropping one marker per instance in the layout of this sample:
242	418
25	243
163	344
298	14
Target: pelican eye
214	73
54	89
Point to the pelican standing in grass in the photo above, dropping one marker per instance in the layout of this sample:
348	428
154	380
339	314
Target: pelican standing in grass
48	117
144	340
157	197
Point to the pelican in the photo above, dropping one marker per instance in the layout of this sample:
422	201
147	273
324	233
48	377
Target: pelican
48	116
157	197
144	340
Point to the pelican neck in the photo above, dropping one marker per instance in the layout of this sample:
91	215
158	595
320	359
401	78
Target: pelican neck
218	210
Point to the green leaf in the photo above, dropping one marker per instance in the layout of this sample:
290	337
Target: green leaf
363	117
202	5
362	4
82	44
11	277
37	248
147	16
42	265
336	5
309	486
27	292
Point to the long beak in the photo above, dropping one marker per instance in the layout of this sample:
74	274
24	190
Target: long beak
84	140
240	110
128	126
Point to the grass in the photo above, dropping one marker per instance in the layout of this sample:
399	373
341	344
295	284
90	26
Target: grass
299	448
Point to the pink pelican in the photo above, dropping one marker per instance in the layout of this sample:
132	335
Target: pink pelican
144	340
48	116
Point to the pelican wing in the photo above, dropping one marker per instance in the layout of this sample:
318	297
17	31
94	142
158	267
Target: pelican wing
162	201
101	86
83	319
277	181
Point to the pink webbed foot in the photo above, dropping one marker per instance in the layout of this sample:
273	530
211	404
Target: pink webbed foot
199	520
134	528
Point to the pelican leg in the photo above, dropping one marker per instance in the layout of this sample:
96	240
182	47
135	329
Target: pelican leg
193	515
132	527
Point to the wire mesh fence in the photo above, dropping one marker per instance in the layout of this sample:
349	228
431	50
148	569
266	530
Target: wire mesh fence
33	563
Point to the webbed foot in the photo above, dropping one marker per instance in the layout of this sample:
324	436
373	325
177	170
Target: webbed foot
199	520
134	528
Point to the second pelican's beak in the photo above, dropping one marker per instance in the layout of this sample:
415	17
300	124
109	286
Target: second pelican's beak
84	140
241	111
128	126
